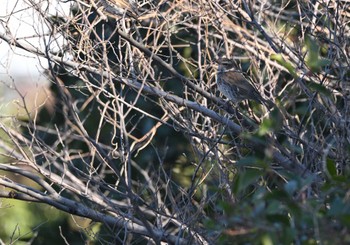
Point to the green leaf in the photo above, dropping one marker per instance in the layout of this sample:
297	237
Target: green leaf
319	88
324	62
274	206
266	240
279	195
280	60
271	124
313	59
291	186
246	178
257	138
331	169
338	208
278	218
313	50
266	126
247	161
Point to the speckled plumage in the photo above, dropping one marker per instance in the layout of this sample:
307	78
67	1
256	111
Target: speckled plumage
235	86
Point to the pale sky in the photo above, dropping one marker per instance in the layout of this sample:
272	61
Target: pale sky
19	68
22	22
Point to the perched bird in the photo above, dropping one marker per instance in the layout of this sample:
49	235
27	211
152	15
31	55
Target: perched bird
235	86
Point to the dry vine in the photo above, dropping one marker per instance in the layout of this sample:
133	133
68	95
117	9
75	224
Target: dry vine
153	66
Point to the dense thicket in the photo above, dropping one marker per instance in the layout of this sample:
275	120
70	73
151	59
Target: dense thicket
141	140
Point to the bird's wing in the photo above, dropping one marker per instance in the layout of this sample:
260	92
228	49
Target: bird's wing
242	83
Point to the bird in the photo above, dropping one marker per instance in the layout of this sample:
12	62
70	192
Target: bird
235	86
